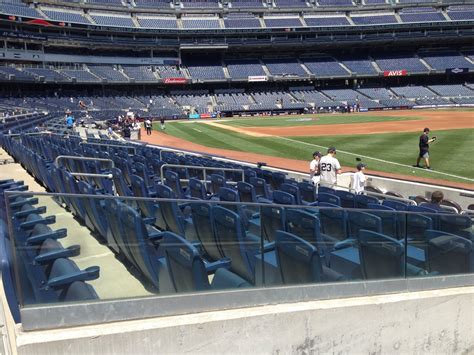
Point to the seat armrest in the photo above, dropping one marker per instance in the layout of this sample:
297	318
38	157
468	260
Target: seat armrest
31	224
40	238
221	263
345	244
38	210
44	258
19	204
91	273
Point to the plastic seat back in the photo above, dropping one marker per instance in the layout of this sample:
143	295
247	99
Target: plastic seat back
246	192
460	225
197	189
347	198
298	261
334	222
202	220
283	198
381	257
361	201
185	266
292	190
231	237
307	192
329	198
449	254
361	220
136	236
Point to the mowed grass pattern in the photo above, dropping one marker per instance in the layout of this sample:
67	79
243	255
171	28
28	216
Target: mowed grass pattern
453	153
310	120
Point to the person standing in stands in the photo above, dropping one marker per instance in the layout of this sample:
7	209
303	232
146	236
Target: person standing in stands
162	123
424	146
148	127
329	167
69	121
359	179
314	174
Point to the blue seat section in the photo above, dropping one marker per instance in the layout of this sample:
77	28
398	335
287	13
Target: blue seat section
448	253
390	220
347	198
329	198
231	237
307	192
381	256
307	226
362	201
202	219
189	272
460	225
176	219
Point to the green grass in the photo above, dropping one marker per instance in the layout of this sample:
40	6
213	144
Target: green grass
453	153
310	120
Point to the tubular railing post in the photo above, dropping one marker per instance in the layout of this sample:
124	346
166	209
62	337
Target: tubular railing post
162	168
71	157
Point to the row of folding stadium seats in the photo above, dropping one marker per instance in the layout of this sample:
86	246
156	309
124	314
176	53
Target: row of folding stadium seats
46	274
149	20
177	221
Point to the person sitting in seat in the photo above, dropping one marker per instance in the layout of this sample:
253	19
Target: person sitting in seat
436	198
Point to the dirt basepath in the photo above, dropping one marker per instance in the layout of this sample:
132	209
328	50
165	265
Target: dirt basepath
435	120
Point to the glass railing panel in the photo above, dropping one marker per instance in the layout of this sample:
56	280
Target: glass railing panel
76	248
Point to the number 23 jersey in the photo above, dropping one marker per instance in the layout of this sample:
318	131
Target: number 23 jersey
328	166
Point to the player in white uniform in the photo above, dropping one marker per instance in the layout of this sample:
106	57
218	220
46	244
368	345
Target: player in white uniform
314	168
329	167
359	179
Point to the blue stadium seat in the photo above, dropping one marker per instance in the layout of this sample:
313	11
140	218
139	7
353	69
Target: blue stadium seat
347	198
448	253
460	225
361	201
328	198
307	226
140	245
202	220
307	192
397	205
292	190
283	198
231	236
189	272
261	187
381	257
361	220
176	220
334	223
389	217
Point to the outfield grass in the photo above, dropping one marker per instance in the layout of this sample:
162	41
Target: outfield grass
453	153
309	120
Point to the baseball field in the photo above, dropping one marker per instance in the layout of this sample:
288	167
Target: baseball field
386	141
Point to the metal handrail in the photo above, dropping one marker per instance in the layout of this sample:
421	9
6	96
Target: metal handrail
72	157
204	168
107	176
171	150
111	145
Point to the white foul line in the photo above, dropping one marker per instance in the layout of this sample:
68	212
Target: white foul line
376	159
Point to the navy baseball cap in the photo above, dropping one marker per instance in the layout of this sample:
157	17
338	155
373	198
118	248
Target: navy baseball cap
361	165
331	149
317	153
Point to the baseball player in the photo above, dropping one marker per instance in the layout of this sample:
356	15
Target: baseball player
314	168
424	149
329	167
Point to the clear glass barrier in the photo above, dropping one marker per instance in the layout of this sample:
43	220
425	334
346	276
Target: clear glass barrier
74	248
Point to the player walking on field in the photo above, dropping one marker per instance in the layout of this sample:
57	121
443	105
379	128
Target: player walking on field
329	167
424	149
